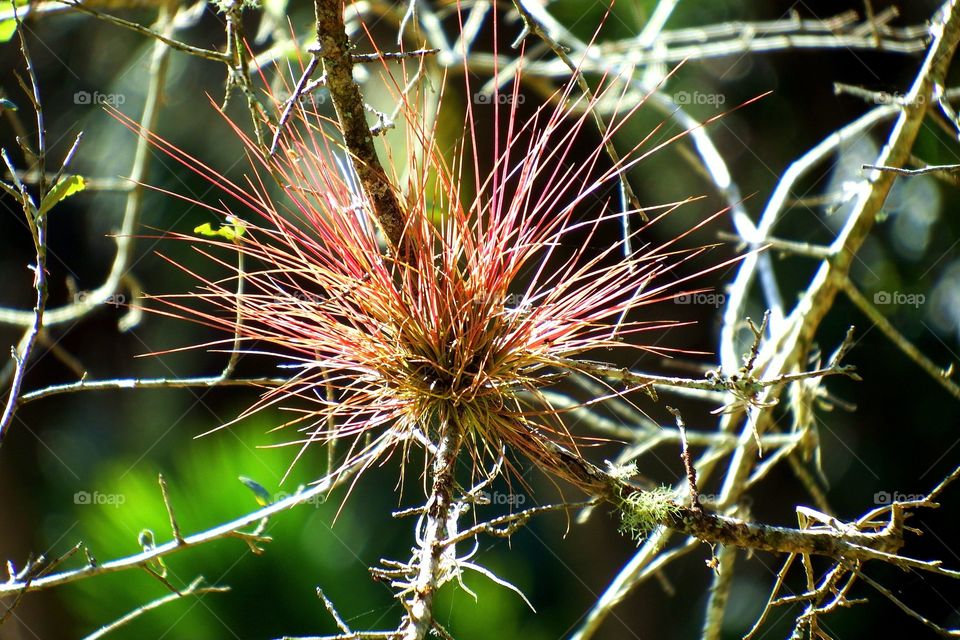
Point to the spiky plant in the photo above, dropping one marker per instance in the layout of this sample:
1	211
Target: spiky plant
498	288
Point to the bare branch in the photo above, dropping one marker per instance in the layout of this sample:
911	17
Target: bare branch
195	588
159	36
36	217
338	70
907	347
148	383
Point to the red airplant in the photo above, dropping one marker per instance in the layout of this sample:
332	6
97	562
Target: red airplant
500	286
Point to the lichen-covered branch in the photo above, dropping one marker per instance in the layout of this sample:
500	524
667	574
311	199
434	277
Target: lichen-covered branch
841	541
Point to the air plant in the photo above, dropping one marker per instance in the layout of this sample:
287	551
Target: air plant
443	336
497	290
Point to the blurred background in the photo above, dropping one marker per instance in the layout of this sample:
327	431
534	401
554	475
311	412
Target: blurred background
84	466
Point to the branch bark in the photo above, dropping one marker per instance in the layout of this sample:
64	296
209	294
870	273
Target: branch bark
348	103
440	528
842	544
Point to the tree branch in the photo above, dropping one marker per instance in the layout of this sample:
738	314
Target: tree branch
148	383
440	528
348	103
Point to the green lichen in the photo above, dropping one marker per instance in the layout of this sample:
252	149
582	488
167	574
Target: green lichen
622	471
642	511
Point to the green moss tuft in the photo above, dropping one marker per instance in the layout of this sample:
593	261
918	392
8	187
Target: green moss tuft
642	511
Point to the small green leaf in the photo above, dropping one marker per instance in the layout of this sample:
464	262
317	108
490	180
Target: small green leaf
63	189
230	231
7	29
260	493
148	543
146	540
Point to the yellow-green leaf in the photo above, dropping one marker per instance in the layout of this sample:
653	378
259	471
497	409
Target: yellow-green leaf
63	189
260	492
7	29
230	231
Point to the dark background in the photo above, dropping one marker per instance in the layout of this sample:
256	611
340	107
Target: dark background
902	437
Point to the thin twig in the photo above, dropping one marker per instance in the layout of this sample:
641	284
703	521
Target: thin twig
367	58
174	525
506	525
193	589
936	168
207	54
238	321
348	103
36	218
907	347
148	383
687	463
333	612
943	631
532	25
294	99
